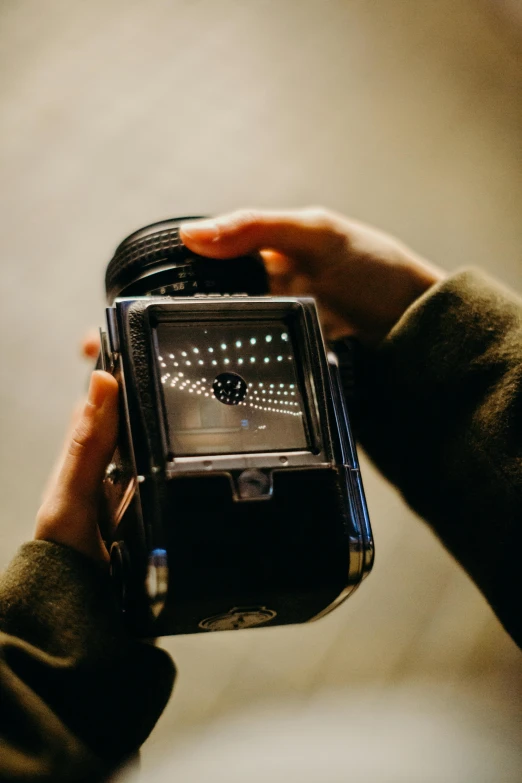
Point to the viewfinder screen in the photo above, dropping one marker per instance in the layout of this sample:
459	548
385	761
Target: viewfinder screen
230	388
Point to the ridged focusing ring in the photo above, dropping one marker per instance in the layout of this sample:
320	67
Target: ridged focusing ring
155	255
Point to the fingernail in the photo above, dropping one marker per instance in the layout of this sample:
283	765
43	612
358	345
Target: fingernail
201	230
96	394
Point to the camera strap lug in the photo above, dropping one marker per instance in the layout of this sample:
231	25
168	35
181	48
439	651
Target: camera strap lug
106	356
112	329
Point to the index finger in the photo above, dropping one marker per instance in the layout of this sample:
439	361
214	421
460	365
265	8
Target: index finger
305	233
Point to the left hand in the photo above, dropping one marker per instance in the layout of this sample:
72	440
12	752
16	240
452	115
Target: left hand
69	512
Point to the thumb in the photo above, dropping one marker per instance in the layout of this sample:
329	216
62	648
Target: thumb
93	440
301	233
69	514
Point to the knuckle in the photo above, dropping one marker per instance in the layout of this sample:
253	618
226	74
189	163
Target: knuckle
80	440
242	221
329	227
319	217
76	447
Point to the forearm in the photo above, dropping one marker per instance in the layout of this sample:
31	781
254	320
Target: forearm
84	696
440	412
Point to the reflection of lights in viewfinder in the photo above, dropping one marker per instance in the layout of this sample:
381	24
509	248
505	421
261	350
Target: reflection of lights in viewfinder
266	359
284	336
183	353
279	358
268	338
238	343
252	341
211	350
252	359
224	346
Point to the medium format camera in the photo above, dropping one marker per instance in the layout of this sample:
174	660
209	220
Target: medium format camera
234	498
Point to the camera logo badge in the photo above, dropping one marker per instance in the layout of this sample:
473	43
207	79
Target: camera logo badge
237	618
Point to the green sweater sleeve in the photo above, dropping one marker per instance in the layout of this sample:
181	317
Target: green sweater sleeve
78	696
439	411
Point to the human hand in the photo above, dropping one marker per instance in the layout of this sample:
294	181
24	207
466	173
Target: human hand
70	509
362	279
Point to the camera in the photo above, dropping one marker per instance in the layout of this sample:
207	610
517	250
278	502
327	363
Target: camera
234	498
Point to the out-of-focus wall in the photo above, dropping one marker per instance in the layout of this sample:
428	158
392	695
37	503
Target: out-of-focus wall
402	113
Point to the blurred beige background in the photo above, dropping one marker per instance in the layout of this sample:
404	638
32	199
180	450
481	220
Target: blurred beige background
403	113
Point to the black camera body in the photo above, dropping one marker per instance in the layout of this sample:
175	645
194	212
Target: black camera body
234	498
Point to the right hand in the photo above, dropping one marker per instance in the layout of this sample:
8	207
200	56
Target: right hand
363	280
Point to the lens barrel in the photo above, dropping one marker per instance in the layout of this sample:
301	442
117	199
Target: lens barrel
154	261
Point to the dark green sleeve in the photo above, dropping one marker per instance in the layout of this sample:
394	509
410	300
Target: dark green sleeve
439	410
78	696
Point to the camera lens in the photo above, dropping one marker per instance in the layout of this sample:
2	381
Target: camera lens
154	261
229	388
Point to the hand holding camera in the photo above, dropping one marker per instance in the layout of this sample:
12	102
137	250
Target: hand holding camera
234	479
363	280
70	510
